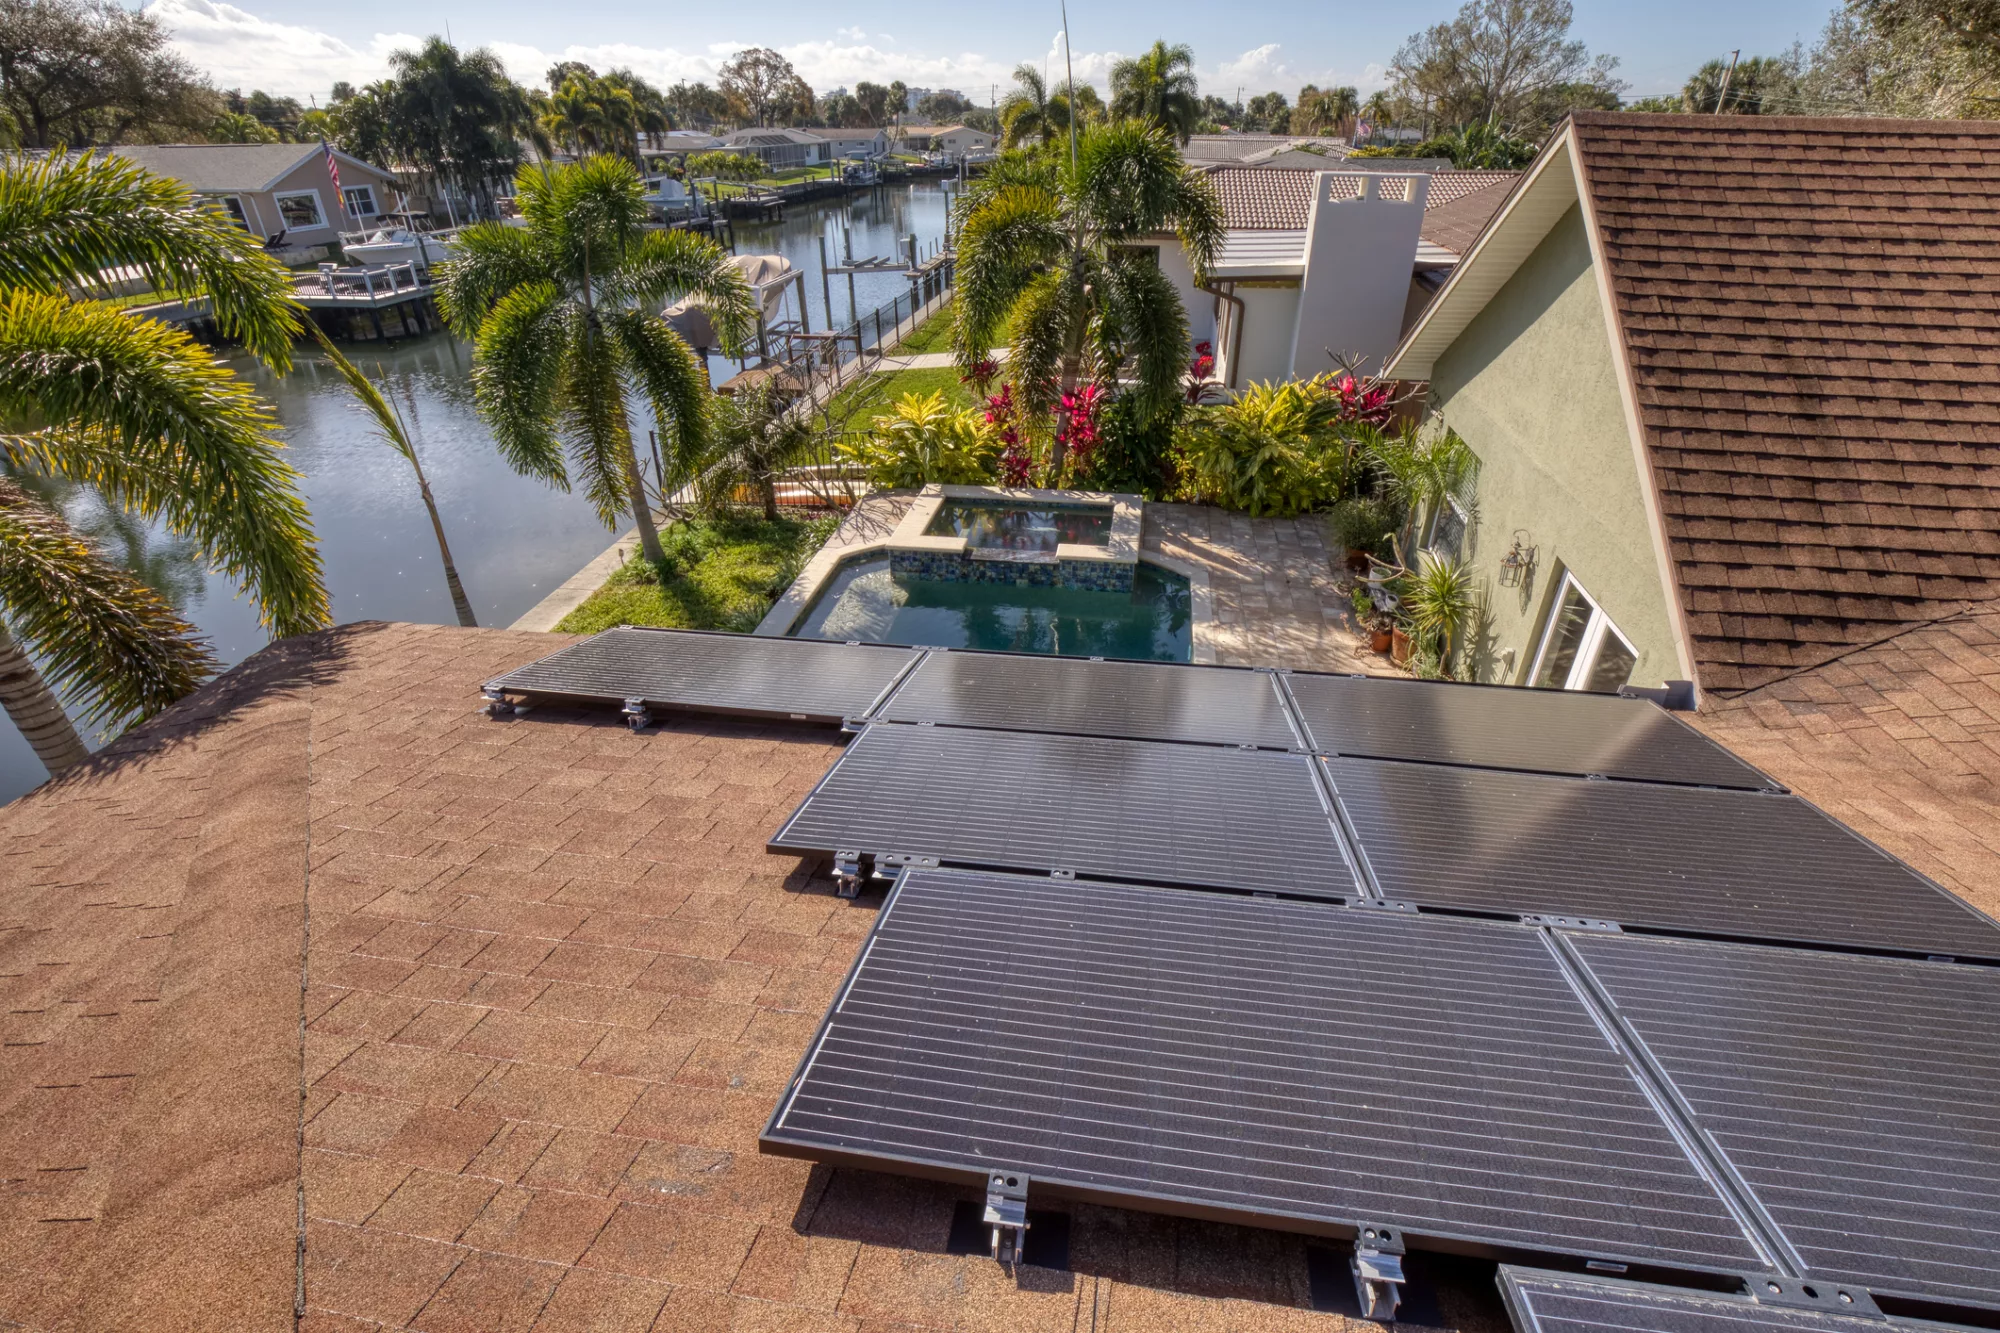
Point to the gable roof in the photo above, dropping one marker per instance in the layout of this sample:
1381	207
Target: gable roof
210	167
1280	199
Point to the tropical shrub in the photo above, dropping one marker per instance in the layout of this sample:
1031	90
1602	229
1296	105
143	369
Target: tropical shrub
1419	470
1278	450
1364	523
1135	450
1437	603
924	442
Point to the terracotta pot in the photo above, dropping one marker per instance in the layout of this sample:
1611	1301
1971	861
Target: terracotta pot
1357	560
1399	647
1380	640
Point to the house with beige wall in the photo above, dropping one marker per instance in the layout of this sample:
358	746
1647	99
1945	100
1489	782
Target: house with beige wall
1732	405
278	189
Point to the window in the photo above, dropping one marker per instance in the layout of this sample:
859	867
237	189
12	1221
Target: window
232	207
360	200
300	211
1581	649
1447	530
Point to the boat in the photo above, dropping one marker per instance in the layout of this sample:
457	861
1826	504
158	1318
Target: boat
398	245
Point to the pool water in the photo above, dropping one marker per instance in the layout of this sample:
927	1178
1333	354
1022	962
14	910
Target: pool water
864	601
990	525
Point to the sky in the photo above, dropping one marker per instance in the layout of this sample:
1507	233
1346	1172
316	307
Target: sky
298	48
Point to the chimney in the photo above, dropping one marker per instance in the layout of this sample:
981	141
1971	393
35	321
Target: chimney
1361	249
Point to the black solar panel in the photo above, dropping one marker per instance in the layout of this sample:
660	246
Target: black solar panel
1737	864
1859	1098
1540	731
1135	700
730	673
1253	1058
1543	1302
1182	814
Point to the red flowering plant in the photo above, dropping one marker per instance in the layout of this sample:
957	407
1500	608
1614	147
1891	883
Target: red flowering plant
982	375
1080	432
1199	371
1370	403
1016	463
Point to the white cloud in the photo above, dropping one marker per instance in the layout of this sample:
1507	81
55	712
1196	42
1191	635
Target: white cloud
850	34
240	50
1265	69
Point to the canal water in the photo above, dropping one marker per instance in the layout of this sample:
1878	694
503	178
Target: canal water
514	539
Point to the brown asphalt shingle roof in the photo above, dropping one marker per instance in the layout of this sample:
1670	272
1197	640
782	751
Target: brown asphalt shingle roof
551	986
1811	311
1279	198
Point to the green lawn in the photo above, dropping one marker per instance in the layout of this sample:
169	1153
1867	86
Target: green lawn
858	404
720	574
933	335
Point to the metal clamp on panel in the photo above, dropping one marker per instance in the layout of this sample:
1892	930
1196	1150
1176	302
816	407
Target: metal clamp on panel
497	703
1007	1214
1378	1271
1384	904
848	873
1573	923
1810	1294
637	715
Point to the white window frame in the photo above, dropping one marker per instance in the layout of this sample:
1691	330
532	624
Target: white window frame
1594	631
319	208
367	192
1436	519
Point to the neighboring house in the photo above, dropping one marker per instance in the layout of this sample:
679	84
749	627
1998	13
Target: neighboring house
849	144
277	189
780	149
942	139
679	143
1731	383
1251	149
1295	281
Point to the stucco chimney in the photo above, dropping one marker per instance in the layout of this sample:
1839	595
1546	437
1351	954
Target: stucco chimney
1361	247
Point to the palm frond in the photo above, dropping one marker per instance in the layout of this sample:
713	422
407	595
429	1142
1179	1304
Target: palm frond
1044	318
100	634
674	382
1016	234
65	221
388	425
668	265
591	419
491	260
1152	325
517	377
153	421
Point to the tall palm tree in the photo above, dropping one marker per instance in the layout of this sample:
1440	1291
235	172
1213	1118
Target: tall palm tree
154	423
1325	110
389	425
1025	114
1379	110
564	316
1158	87
1051	265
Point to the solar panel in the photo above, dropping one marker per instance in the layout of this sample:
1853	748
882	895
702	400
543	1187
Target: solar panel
1541	731
1135	700
1265	1060
1543	1302
726	673
1736	864
1180	814
1858	1098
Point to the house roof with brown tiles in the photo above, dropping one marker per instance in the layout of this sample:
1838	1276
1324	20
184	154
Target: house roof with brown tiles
1456	221
1280	198
321	986
1811	315
1900	740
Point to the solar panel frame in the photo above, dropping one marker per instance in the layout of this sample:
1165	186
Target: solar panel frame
1507	727
1119	699
1826	1079
1550	1302
1724	864
743	675
1092	806
1047	976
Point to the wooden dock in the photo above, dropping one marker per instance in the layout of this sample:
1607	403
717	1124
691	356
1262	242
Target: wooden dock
352	303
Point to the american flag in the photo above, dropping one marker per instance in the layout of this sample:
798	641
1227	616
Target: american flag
333	170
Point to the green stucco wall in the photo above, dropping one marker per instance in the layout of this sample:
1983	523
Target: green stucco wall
1532	387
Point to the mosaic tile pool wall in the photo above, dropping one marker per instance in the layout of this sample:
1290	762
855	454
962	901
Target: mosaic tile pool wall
1084	575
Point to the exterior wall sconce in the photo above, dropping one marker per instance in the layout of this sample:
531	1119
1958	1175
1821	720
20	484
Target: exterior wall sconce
1519	562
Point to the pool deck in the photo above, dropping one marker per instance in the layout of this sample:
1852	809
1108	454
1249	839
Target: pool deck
1264	591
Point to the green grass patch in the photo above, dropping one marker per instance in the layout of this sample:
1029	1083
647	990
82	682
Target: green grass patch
858	404
933	335
720	574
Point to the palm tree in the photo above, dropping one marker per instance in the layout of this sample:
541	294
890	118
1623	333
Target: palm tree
1325	110
564	315
1379	110
1159	87
144	415
756	437
1052	262
389	425
1024	115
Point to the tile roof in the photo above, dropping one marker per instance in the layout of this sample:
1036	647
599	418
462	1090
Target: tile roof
1278	198
1811	312
1900	740
552	987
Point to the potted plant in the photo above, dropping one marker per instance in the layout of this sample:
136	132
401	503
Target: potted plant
1437	603
1360	524
1399	646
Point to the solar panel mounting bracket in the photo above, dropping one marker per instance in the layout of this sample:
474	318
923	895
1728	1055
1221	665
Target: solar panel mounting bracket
1007	1213
1573	923
848	873
637	716
1810	1294
1378	1271
1385	905
498	706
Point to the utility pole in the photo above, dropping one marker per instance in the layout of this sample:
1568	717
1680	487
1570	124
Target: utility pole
1722	95
1069	68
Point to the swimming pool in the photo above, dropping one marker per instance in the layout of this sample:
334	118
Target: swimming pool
990	525
865	601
